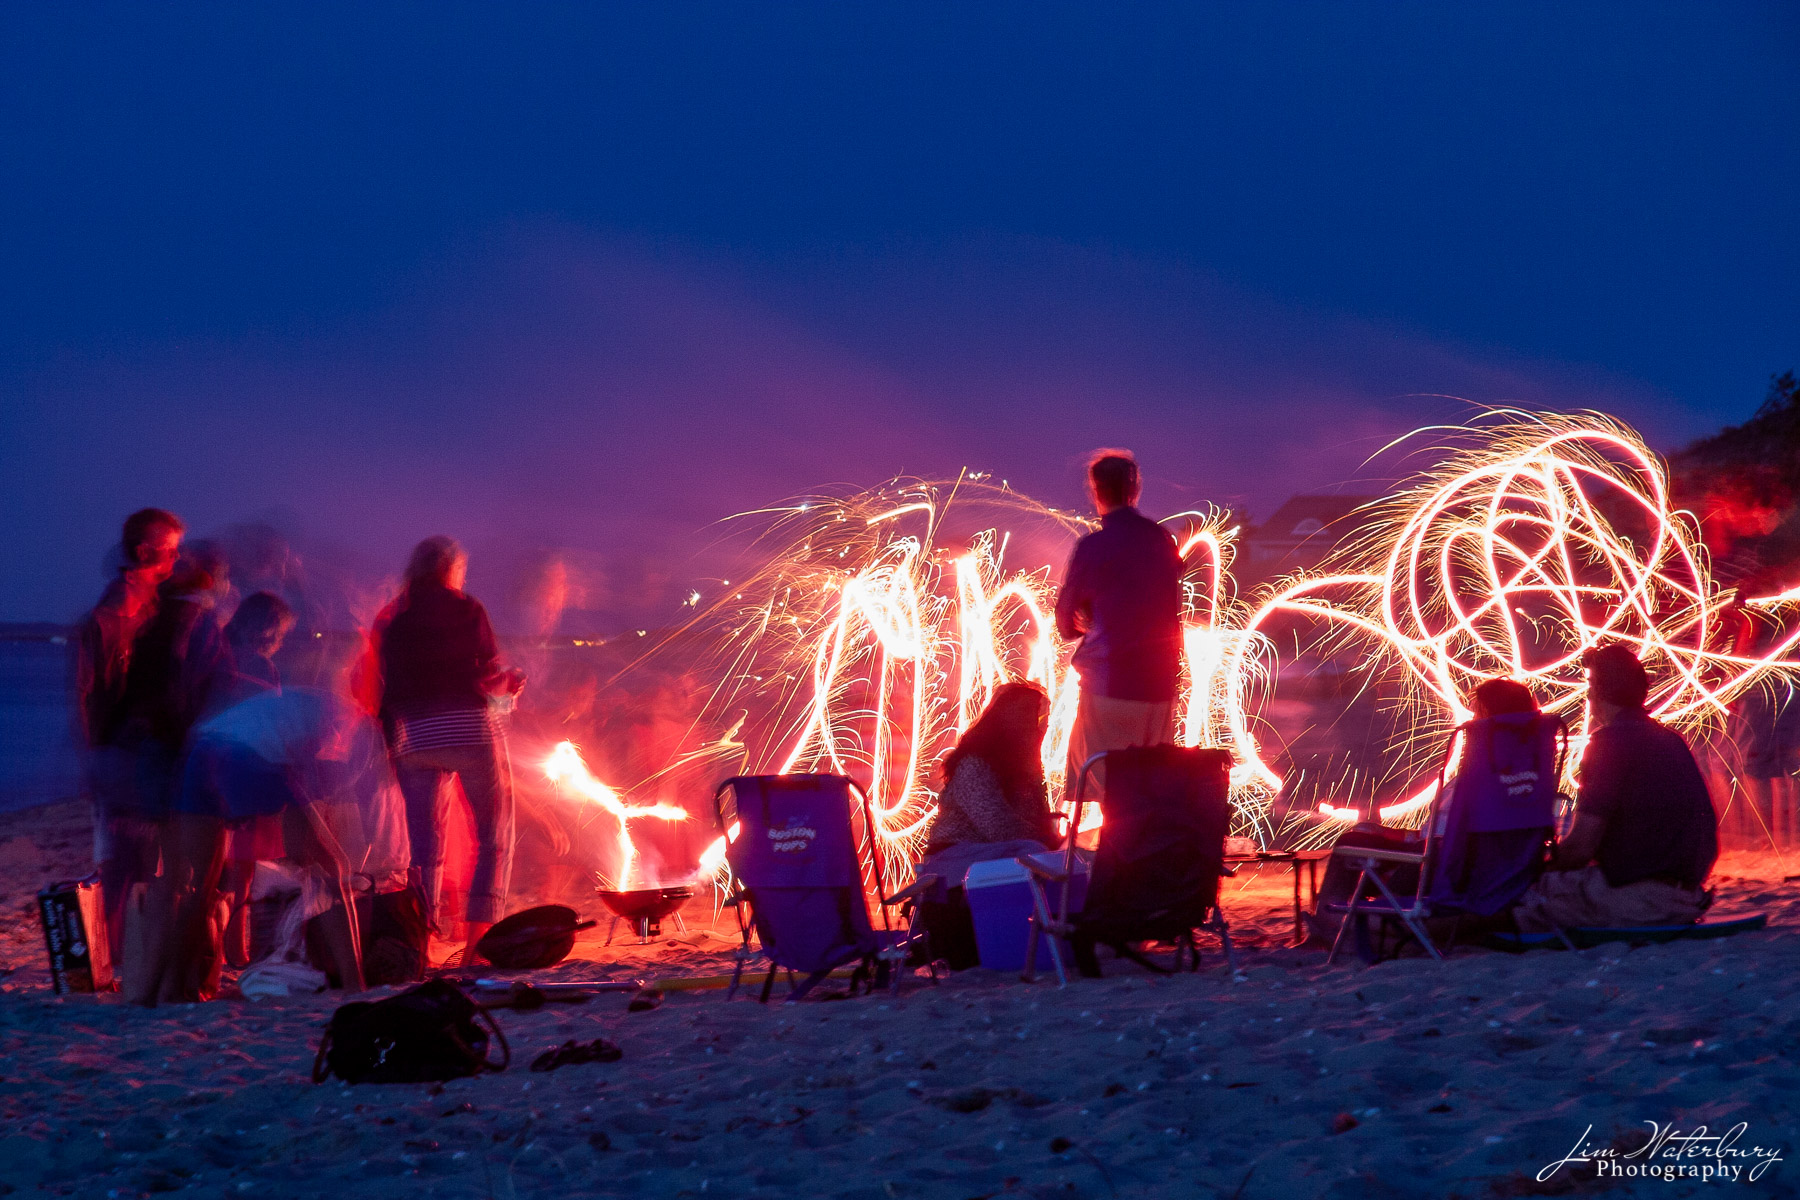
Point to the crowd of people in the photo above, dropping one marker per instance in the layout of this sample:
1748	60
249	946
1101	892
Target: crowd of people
204	764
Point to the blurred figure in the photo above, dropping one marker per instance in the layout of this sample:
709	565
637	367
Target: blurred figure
439	666
178	665
1121	595
253	637
1645	835
124	839
281	757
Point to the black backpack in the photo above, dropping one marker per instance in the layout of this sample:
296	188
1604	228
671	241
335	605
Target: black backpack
425	1034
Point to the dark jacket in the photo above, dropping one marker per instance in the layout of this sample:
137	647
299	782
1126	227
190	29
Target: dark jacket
177	662
1124	581
1642	779
103	657
437	653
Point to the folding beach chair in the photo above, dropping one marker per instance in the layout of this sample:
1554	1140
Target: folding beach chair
1156	866
1486	836
800	867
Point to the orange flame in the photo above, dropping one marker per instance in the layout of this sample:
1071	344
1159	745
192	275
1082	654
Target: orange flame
565	768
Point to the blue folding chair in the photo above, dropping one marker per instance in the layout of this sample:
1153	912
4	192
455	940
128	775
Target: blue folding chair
1486	836
802	870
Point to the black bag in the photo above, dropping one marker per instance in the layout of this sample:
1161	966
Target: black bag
951	929
426	1034
395	937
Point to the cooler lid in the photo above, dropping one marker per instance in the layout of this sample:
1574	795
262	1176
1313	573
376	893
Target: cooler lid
994	873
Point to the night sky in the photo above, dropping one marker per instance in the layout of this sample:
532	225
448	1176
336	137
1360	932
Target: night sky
596	277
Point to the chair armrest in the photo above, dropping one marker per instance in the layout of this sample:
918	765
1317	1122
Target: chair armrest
1377	855
1054	874
912	891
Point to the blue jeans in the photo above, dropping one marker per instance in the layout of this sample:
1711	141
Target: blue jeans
486	776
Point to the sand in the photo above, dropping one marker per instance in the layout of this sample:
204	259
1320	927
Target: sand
1405	1079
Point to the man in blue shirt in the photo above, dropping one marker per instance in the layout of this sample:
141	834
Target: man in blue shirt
1121	596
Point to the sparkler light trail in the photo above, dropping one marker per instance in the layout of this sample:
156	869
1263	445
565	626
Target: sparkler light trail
880	623
1538	537
884	621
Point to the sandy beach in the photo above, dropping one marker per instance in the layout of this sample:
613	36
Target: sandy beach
1404	1079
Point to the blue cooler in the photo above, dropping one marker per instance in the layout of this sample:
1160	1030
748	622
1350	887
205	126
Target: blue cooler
999	896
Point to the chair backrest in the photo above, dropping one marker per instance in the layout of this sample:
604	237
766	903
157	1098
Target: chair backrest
1491	825
1506	775
1165	812
797	857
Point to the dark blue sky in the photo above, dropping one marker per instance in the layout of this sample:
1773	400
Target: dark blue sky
594	277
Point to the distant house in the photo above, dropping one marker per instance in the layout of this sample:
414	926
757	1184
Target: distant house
1298	536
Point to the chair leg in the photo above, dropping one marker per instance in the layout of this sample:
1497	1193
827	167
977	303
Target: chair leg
1040	925
1225	940
1355	898
737	973
768	984
1412	922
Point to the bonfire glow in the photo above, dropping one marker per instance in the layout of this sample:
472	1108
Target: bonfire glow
565	768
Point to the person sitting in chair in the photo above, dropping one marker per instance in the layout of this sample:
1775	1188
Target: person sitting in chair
1492	698
994	779
1645	834
993	805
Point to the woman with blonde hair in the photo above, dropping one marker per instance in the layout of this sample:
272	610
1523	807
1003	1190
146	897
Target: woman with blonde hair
440	667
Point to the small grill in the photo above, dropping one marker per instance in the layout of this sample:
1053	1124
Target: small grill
645	908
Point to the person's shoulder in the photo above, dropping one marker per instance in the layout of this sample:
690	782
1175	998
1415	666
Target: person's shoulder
973	771
1149	527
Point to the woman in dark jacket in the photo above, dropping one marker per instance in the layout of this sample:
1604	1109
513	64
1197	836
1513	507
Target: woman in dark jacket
439	668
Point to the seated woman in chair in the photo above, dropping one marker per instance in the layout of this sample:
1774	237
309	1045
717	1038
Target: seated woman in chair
994	780
993	805
1492	698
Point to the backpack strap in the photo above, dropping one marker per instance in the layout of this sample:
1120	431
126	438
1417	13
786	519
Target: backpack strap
487	1064
321	1069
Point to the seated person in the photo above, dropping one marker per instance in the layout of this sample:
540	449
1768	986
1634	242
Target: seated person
993	805
994	780
1492	698
1645	835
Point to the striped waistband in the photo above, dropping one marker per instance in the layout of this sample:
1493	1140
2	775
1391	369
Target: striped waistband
464	727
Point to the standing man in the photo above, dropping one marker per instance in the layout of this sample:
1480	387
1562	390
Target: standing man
125	842
1122	597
